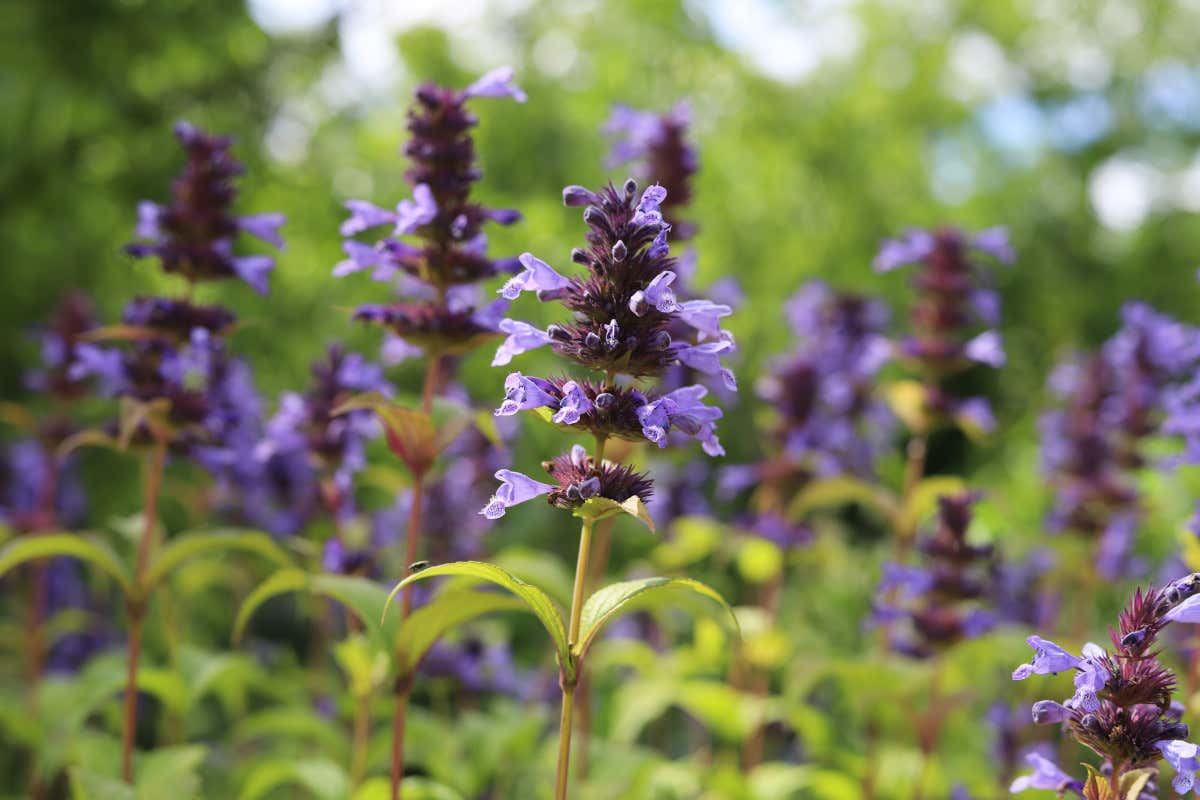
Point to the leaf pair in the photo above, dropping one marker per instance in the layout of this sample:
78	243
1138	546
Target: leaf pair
599	609
169	558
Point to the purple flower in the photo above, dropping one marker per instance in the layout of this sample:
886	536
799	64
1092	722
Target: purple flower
657	294
522	393
1048	659
682	409
706	357
497	83
193	235
914	246
1048	712
574	404
515	488
522	337
412	214
538	277
705	316
1090	679
1046	775
986	348
1181	755
660	143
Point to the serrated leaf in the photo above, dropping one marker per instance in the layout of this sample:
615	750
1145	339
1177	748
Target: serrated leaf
839	492
69	545
923	499
615	599
535	599
446	611
598	508
192	545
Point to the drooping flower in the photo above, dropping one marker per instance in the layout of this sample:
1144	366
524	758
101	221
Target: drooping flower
1046	775
439	311
193	235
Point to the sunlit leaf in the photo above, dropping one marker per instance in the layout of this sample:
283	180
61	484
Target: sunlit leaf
324	779
88	785
839	491
598	508
615	599
169	772
69	545
536	600
692	539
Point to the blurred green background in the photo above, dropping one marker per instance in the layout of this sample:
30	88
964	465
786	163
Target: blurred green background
823	126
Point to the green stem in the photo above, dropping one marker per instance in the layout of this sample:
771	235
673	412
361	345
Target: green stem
568	686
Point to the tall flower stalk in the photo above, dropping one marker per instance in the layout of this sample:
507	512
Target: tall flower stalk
621	309
440	313
181	391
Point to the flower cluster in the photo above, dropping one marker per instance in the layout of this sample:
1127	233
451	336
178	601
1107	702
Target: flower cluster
828	420
193	235
307	456
440	311
71	321
1109	404
172	350
622	307
954	299
942	599
1122	708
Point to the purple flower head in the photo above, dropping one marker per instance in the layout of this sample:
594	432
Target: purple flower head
624	305
436	246
193	235
59	340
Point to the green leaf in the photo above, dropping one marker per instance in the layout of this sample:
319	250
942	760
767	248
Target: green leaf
448	610
614	599
365	666
538	601
923	499
1134	781
70	545
414	788
282	582
365	599
170	772
598	508
192	545
693	538
88	785
839	492
321	777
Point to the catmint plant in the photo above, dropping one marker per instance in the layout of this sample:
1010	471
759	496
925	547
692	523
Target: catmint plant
435	253
181	391
953	320
620	309
1123	706
1094	441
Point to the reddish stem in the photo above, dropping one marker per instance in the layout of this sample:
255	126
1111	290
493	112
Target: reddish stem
137	604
